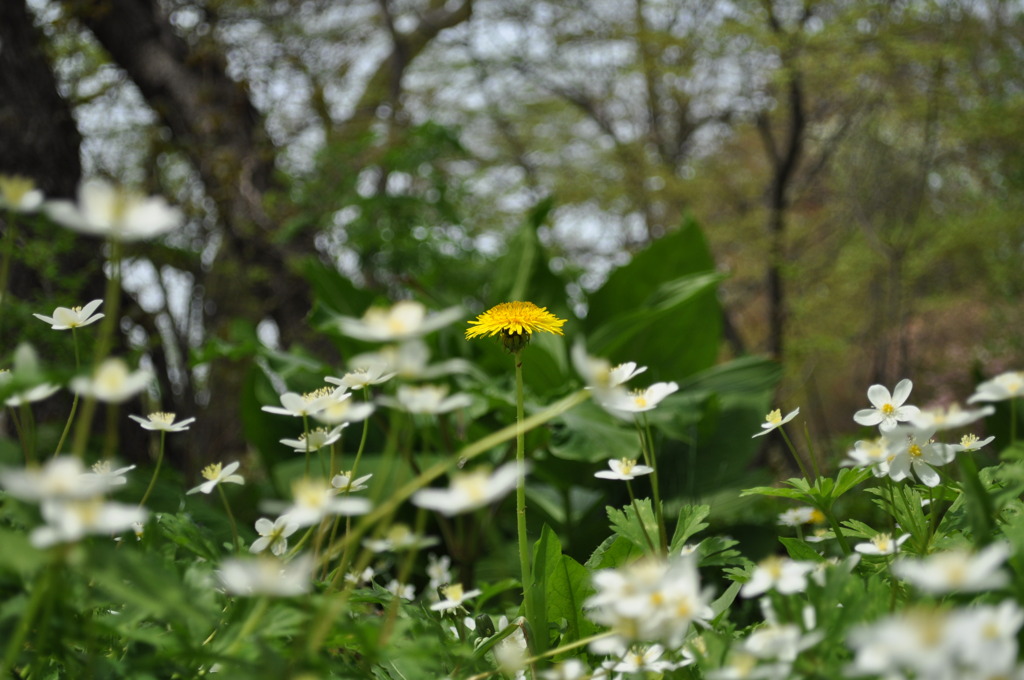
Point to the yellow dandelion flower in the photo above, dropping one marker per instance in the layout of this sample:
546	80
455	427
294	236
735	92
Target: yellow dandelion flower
514	322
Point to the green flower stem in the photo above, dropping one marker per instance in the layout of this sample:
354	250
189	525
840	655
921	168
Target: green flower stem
251	621
156	471
811	450
639	517
231	518
74	401
43	583
524	545
404	571
298	546
84	425
305	439
112	306
1013	420
651	460
5	267
329	613
836	529
21	434
110	438
796	455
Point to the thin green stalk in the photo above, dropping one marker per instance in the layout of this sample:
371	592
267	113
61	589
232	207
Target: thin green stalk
74	401
1013	420
402	577
651	459
22	436
811	450
796	455
156	471
524	544
111	306
253	620
5	267
236	542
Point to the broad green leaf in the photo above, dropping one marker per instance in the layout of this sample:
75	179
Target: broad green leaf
588	434
613	552
775	491
565	583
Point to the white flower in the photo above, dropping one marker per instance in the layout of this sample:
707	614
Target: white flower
570	669
363	577
426	399
775	420
881	544
404	591
266	576
956	570
215	474
888	409
65	318
987	636
108	475
470	490
162	422
345	483
911	449
744	666
870	453
624	469
648	600
112	382
111	212
439	570
273	535
312	500
643	659
917	640
70	520
404	320
781	573
60	478
780	641
315	439
30	395
19	194
341	410
1003	386
399	537
950	418
970	442
795	517
363	376
310	403
623	403
454	597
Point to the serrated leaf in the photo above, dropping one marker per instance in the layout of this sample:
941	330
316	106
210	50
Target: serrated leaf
689	523
774	491
800	550
642	530
613	552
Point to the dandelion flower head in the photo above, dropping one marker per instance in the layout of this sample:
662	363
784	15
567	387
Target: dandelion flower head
515	322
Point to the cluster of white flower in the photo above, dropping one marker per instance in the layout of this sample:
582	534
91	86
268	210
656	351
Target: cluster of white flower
927	642
650	600
607	384
71	499
907	443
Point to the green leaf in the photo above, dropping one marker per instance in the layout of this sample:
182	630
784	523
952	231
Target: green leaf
613	552
774	491
689	523
588	434
800	550
566	584
642	530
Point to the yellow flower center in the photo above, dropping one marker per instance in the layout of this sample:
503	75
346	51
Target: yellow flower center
627	465
914	451
816	516
968	441
101	467
212	471
454	592
882	541
13	189
888	409
162	417
473	484
317	394
774	418
640	398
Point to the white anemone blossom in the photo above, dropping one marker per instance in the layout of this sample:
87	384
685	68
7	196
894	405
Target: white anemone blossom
887	410
66	318
774	420
402	321
19	194
624	469
115	213
112	382
162	422
307	404
957	570
650	600
71	520
216	474
1000	388
909	448
426	399
622	403
59	478
266	576
470	490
